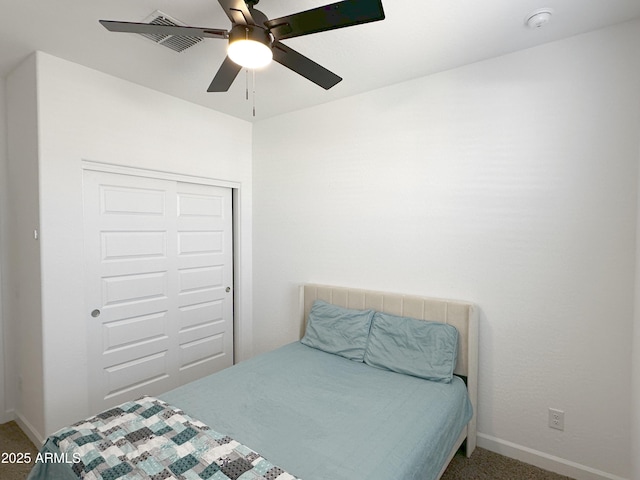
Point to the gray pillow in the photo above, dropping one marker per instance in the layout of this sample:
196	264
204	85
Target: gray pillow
338	330
414	347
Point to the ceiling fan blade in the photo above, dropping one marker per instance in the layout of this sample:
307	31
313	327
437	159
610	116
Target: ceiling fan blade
329	17
227	73
152	29
302	65
237	11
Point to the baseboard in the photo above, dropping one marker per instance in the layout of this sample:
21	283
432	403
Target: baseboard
29	430
543	460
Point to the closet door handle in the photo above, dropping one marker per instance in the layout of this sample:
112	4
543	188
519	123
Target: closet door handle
95	313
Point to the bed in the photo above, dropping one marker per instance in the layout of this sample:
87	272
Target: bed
303	411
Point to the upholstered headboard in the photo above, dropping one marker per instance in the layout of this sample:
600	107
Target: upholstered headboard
462	315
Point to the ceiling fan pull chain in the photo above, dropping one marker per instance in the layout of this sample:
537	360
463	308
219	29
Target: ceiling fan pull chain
246	37
246	83
254	92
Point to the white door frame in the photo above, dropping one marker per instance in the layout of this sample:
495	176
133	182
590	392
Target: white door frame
238	295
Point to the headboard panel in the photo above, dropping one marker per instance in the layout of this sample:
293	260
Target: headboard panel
462	315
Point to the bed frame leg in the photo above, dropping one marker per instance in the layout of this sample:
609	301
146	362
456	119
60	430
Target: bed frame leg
470	445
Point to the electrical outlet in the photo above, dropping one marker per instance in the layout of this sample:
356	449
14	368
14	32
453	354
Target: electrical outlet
556	419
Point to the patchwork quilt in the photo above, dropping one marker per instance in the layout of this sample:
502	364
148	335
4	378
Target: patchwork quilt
148	439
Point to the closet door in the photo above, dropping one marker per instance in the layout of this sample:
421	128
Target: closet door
205	271
158	276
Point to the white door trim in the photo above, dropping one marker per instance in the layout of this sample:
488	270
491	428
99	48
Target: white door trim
156	174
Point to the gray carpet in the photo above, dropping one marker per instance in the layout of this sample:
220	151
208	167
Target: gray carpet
486	465
483	464
14	441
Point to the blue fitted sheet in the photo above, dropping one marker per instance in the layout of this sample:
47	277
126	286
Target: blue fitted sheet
323	417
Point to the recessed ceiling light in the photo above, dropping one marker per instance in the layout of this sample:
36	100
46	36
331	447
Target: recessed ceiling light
539	18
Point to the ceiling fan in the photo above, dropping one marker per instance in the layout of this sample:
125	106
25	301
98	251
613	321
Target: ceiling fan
254	40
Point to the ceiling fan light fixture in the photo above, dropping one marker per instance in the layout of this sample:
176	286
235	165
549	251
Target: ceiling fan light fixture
250	47
250	54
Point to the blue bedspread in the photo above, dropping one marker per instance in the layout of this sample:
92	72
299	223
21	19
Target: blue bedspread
323	417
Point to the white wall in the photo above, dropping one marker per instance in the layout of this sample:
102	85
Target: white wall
86	115
512	183
5	353
635	371
22	291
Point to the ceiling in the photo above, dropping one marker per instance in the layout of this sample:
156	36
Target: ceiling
417	38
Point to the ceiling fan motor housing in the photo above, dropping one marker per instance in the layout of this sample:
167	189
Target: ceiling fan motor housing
250	32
